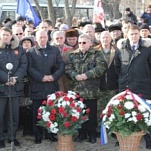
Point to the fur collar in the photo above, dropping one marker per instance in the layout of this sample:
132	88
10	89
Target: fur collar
144	42
14	43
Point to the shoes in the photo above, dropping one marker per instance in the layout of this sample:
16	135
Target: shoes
2	144
117	144
92	139
80	138
16	142
51	138
37	141
148	145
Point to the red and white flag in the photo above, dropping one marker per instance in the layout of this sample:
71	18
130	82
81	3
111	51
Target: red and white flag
98	12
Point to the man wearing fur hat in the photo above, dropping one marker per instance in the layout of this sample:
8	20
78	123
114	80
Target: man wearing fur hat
10	52
72	38
133	64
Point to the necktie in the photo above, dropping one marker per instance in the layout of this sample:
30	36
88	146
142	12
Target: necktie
133	48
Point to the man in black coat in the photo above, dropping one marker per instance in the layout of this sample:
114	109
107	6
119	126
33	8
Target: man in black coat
133	63
45	67
10	52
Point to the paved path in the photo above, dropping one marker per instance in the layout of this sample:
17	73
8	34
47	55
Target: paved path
27	144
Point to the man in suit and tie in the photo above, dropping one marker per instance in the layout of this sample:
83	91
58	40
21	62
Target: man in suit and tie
133	64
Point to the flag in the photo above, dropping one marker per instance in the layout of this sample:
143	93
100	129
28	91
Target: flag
25	9
98	12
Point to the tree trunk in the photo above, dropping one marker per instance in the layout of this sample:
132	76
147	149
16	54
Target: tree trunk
51	15
69	12
39	9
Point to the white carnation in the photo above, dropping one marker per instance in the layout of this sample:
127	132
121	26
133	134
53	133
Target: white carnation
134	113
115	102
52	97
81	105
134	119
127	115
129	105
45	116
128	97
146	115
112	117
141	108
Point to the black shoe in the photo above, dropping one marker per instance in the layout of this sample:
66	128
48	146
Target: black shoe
2	144
80	138
51	138
92	139
117	144
37	141
16	142
148	145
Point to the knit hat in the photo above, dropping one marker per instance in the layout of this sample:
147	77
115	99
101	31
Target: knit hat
144	26
71	33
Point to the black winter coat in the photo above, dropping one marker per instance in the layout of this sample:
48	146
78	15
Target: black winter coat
12	54
134	69
40	63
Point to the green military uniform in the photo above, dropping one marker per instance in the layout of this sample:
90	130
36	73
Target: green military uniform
93	65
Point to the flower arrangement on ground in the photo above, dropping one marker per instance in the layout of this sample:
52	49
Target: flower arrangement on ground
127	113
62	113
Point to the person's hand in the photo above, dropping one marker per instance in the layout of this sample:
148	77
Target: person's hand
84	77
48	78
12	81
79	77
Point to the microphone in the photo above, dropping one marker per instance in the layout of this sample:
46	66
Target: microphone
9	66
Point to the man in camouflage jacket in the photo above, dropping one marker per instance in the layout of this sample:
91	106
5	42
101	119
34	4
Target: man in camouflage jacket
85	67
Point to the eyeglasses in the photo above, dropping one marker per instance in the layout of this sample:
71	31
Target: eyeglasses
82	43
19	34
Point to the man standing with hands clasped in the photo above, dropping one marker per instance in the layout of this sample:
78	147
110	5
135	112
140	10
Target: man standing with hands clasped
85	67
133	64
45	67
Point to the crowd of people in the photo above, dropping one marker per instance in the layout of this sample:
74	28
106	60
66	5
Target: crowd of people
94	61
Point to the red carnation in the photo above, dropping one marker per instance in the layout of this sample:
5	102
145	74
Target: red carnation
61	110
72	105
39	110
65	114
57	94
121	98
122	112
84	118
44	102
87	110
74	119
139	117
48	124
78	109
67	124
71	99
50	103
51	117
119	106
39	116
66	98
81	99
53	111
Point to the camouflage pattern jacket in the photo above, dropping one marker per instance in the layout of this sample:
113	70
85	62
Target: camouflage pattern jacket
93	65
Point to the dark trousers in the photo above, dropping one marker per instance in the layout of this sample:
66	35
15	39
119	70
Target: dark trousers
89	127
4	109
37	130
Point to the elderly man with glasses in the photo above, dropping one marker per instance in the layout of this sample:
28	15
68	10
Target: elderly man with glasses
84	67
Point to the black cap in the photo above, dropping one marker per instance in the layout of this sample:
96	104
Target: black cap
144	26
114	27
7	20
20	18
